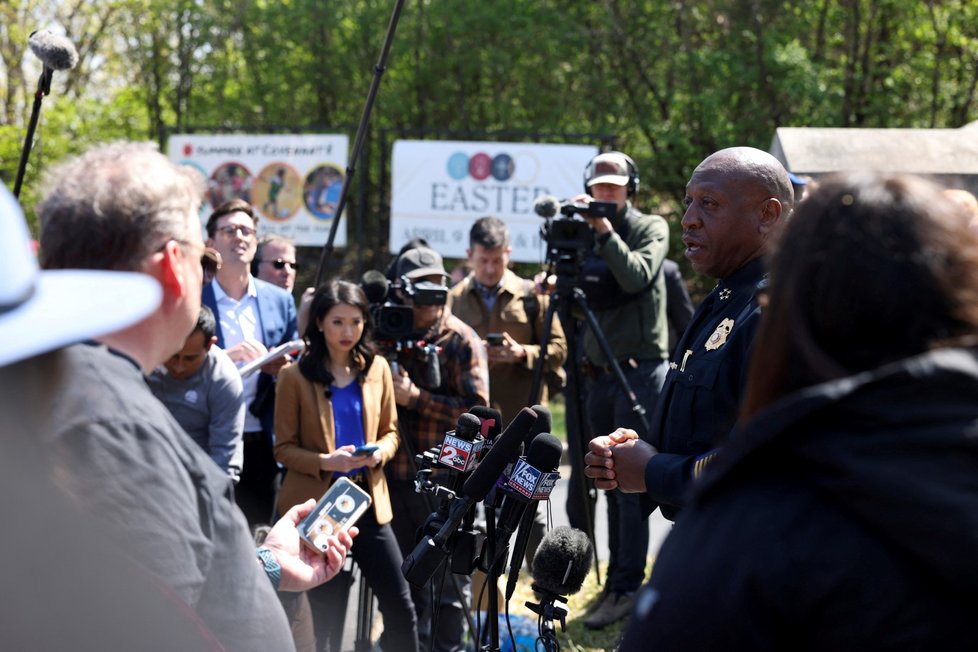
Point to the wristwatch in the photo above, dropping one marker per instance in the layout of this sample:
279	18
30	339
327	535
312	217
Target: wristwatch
271	566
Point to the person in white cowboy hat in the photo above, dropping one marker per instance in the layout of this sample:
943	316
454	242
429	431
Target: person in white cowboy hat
117	452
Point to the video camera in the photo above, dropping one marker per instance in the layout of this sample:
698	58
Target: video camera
565	230
394	321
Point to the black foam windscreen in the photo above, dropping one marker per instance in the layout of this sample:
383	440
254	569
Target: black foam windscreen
544	423
374	285
562	561
544	452
468	426
55	51
546	206
492	421
504	450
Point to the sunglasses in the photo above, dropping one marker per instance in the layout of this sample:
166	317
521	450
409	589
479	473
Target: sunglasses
231	230
278	263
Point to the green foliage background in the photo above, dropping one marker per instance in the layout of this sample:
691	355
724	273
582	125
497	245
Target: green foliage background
668	82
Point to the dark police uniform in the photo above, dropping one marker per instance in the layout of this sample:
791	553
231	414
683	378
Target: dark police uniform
699	402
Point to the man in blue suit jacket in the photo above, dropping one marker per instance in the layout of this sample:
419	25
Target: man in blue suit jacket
252	317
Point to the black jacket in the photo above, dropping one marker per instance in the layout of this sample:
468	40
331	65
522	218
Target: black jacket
844	517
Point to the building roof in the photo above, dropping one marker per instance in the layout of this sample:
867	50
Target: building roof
809	150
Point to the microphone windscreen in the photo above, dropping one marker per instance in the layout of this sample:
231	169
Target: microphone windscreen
55	51
544	452
374	285
546	206
562	561
467	426
504	450
492	421
543	424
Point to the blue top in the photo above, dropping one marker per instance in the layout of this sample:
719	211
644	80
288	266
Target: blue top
348	417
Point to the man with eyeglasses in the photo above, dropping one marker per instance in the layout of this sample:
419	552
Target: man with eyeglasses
275	261
253	316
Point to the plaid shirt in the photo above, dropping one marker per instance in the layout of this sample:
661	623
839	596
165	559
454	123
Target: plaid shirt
464	384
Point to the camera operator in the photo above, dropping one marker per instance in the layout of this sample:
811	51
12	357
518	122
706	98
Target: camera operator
622	278
426	413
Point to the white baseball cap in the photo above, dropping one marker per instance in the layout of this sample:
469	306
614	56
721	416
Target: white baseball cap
44	310
610	167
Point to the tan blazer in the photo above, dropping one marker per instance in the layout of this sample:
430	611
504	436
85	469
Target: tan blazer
304	428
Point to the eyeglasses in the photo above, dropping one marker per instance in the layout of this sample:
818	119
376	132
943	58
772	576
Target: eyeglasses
232	230
278	263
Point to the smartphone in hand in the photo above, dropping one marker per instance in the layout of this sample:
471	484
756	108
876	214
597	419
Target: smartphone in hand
494	339
366	449
338	509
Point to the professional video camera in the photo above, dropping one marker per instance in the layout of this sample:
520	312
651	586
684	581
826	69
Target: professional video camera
395	322
565	231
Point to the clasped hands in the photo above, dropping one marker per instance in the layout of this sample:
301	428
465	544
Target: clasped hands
618	461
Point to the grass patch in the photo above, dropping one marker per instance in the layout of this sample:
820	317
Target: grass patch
577	637
558	412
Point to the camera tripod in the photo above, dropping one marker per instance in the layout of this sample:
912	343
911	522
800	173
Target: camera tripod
565	295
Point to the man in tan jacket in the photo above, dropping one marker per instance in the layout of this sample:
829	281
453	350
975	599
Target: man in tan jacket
494	300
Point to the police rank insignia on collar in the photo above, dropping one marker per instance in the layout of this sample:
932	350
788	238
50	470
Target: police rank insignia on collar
719	337
725	294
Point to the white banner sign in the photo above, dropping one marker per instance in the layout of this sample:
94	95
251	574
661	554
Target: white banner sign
293	181
439	188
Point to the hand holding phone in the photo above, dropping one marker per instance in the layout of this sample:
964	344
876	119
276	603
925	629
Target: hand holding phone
338	509
366	449
494	339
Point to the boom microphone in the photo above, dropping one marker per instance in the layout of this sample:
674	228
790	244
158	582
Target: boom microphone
562	561
55	51
546	206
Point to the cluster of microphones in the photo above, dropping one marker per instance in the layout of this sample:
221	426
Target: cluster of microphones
511	471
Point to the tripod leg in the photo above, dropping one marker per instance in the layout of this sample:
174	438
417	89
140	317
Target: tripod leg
592	321
578	491
542	360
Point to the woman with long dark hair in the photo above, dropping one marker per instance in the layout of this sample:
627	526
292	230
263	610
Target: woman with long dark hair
843	513
338	397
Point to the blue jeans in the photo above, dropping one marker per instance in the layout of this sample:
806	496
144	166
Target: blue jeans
608	408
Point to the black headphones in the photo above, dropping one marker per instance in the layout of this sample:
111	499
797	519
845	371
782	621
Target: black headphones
633	178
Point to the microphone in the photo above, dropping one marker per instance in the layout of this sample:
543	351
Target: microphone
492	421
431	552
543	423
461	448
532	479
432	366
562	562
546	206
375	286
55	51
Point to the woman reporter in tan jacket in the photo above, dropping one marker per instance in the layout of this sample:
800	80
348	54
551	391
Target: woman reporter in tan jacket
338	397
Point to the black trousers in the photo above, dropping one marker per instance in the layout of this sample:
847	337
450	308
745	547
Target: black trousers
255	492
376	552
